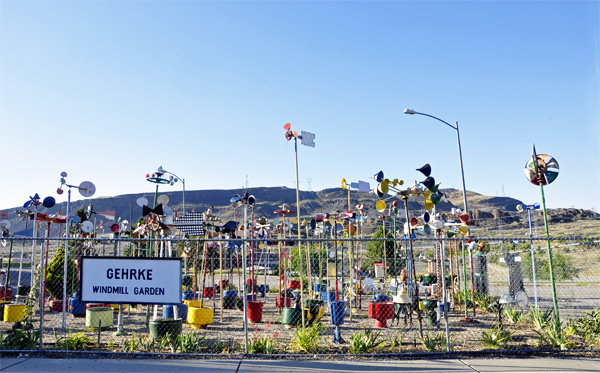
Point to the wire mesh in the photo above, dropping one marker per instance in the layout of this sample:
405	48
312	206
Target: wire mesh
353	301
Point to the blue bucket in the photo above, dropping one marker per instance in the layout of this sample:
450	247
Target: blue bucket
263	289
76	307
337	312
187	295
251	297
230	293
168	312
319	288
328	296
382	298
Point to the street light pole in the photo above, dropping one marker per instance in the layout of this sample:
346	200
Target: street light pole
462	172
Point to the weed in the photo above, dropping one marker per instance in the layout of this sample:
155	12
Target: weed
396	341
513	315
20	337
431	341
192	343
587	327
495	337
73	342
552	335
540	318
364	341
308	340
264	345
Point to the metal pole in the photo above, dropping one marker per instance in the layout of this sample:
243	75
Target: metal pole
64	310
550	264
244	280
442	259
299	231
412	259
183	181
532	258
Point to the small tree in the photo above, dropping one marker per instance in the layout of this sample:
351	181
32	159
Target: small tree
55	275
375	252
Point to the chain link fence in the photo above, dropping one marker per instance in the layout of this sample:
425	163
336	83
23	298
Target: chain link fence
311	296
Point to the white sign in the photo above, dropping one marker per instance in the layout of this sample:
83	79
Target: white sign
131	280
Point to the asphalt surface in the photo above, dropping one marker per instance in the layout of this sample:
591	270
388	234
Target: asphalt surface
26	364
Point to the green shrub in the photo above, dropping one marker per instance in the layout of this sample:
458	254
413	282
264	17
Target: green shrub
55	275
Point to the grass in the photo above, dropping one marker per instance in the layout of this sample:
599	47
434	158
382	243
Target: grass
307	340
431	341
364	341
495	337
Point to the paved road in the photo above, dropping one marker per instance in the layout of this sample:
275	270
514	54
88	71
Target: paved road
312	366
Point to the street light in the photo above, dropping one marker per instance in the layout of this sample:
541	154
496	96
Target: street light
520	208
412	112
177	178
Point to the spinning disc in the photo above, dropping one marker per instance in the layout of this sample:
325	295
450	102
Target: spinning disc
547	169
380	206
87	226
153	222
5	223
142	201
87	189
522	300
163	199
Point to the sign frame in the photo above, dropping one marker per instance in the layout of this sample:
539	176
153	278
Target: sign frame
124	260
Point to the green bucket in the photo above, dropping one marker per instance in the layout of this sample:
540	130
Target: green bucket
291	317
160	328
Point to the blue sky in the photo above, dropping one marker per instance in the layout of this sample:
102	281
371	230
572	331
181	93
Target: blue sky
108	91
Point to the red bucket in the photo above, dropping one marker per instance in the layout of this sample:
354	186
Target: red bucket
255	311
279	302
294	284
208	292
92	305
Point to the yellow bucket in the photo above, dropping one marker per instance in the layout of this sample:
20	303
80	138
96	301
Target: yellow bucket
200	317
15	312
116	307
193	303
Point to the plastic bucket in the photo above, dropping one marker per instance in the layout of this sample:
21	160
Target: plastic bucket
294	284
229	302
291	316
230	293
187	280
263	289
95	314
76	308
14	312
279	302
328	296
319	288
187	295
169	311
199	318
381	298
251	297
6	294
160	328
255	311
193	303
337	312
208	292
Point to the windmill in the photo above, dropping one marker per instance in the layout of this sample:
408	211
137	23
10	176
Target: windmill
542	169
